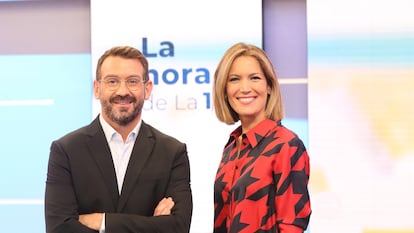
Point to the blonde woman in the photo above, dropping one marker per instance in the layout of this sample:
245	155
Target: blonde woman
262	180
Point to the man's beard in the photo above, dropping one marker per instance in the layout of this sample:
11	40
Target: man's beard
122	118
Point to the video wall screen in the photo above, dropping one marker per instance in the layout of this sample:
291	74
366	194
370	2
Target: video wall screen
361	128
183	41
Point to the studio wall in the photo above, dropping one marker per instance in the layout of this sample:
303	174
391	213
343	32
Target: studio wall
345	68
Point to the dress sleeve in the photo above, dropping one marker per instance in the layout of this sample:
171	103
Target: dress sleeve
291	175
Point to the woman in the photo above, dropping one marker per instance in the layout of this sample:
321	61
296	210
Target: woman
261	182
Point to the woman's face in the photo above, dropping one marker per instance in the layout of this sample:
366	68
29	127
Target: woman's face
247	89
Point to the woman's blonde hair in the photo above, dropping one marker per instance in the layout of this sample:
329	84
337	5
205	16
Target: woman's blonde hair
224	112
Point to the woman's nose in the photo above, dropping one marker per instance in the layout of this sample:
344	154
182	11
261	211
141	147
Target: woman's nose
244	86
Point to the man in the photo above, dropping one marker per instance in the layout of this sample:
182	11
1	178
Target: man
119	174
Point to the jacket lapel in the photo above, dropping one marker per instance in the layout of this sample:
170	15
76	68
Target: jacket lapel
101	153
140	154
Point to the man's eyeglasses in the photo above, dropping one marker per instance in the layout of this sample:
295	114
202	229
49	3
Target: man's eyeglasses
114	83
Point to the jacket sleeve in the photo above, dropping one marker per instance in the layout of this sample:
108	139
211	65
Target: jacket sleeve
60	201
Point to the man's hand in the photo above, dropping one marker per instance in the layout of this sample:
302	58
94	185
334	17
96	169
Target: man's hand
92	221
164	207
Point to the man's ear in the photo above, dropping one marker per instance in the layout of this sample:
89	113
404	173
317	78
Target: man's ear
96	89
148	89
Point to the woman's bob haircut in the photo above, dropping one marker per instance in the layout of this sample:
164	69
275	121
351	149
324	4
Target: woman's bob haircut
224	112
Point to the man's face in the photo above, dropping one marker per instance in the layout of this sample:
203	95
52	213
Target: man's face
121	90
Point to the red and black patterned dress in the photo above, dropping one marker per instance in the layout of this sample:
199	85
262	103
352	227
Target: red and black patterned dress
265	187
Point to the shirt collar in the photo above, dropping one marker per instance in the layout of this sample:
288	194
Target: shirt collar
259	131
111	132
